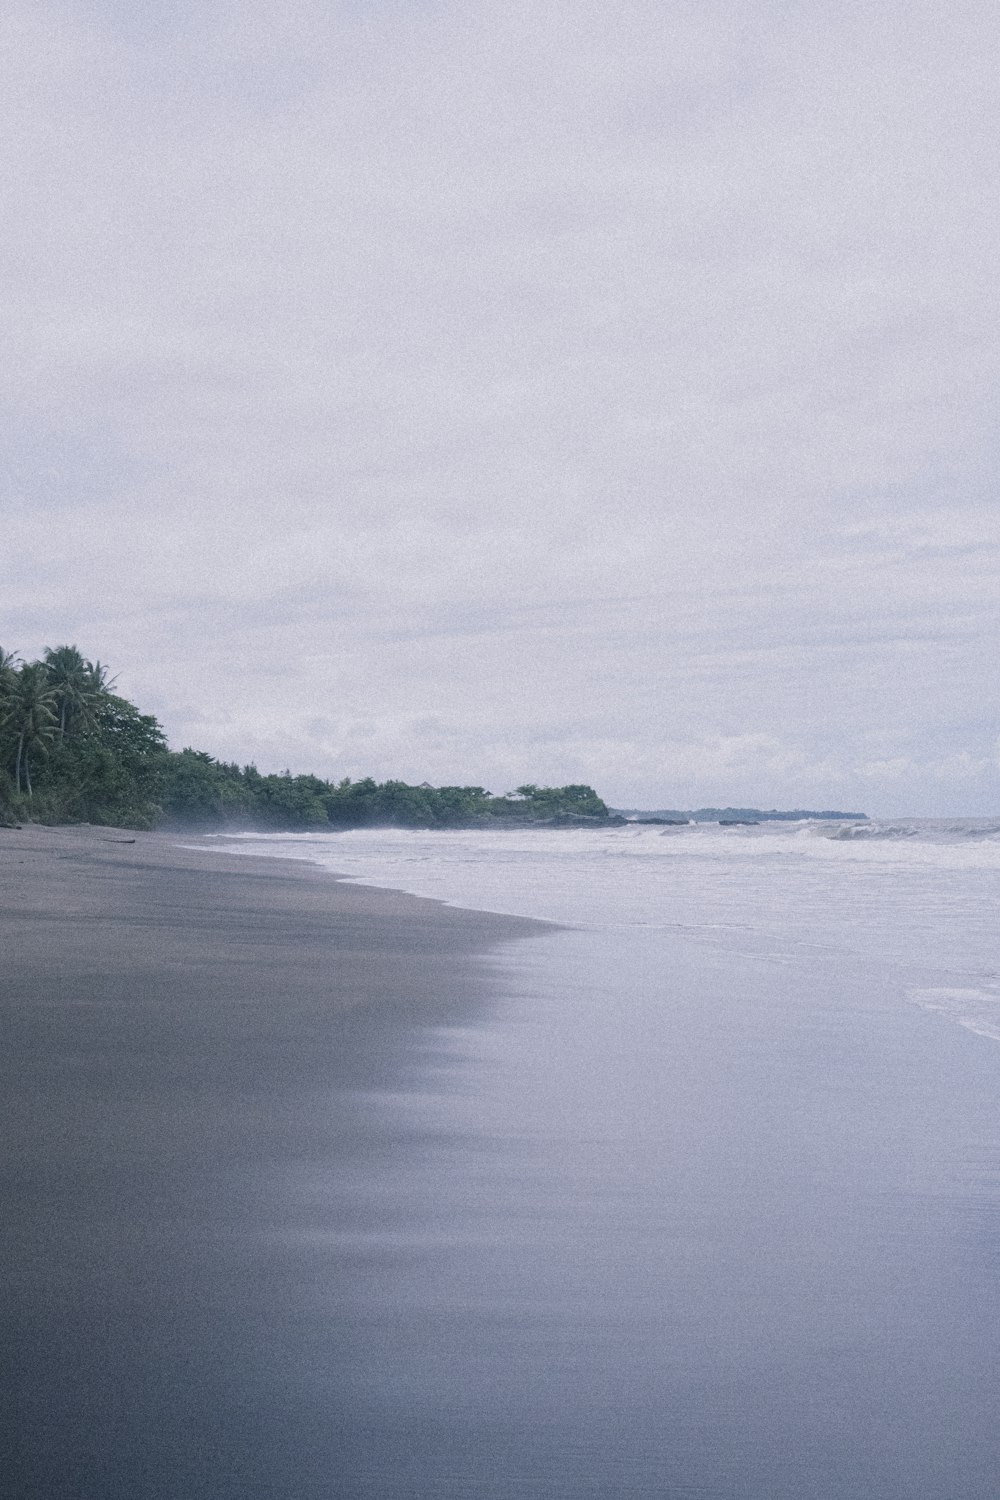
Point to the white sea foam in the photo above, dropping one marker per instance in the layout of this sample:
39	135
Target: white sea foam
978	1010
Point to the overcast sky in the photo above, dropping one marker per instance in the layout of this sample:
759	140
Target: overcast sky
490	392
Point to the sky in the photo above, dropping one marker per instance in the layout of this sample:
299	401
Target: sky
487	393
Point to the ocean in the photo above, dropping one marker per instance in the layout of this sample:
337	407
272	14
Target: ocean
705	1203
919	899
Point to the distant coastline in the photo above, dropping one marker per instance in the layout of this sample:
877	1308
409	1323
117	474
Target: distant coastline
734	815
74	751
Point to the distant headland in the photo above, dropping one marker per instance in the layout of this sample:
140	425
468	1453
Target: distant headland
74	751
733	815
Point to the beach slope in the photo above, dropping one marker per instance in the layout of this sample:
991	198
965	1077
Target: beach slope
184	1031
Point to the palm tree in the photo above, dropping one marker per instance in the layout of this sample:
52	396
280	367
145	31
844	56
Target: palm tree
69	676
8	672
98	679
30	710
8	681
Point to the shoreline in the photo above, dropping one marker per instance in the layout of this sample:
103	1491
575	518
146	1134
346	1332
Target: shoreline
187	1032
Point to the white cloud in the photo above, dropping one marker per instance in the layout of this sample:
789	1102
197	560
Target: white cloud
605	385
960	767
896	769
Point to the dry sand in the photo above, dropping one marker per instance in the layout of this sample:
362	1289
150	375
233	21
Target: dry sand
182	1033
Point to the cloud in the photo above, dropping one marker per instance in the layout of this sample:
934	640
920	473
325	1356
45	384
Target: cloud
599	379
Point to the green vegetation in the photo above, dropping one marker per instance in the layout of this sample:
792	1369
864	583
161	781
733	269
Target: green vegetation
73	751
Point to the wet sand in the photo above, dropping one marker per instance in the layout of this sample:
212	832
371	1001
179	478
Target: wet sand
185	1032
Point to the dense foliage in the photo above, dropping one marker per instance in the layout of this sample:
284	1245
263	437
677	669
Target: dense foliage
73	751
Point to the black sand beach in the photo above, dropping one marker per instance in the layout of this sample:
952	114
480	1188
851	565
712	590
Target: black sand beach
314	1192
183	1033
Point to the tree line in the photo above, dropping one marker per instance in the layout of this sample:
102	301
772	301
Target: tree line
72	750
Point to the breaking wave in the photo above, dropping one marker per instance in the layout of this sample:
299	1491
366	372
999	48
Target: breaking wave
934	830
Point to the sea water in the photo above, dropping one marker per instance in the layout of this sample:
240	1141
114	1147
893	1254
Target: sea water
706	1203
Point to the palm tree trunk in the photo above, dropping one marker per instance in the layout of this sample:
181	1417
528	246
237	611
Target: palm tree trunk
17	764
27	775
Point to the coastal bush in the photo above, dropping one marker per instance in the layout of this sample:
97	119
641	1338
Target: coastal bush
74	751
